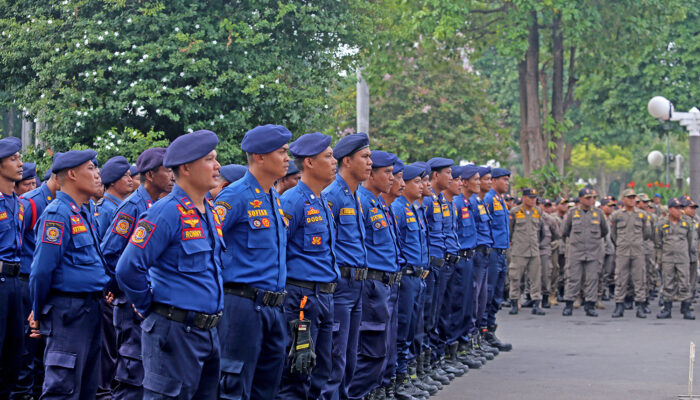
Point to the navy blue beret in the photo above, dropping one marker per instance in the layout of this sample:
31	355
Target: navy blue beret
310	144
114	169
456	171
412	171
469	170
71	159
499	172
292	169
233	172
265	139
439	163
190	147
28	170
150	159
484	171
382	159
94	161
350	144
134	170
424	165
399	166
9	146
47	175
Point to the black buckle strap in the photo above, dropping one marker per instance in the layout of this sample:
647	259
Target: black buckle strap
388	278
271	299
327	288
483	249
9	269
468	253
200	320
500	251
358	274
451	258
437	262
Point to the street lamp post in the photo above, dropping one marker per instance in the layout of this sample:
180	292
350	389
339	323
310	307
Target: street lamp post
662	109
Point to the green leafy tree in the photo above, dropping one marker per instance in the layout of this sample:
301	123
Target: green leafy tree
605	163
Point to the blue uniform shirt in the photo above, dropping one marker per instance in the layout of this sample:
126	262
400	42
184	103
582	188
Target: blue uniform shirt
117	235
174	257
11	215
466	225
255	232
310	240
382	253
450	217
436	226
482	219
412	232
350	230
500	226
395	229
34	202
104	212
67	256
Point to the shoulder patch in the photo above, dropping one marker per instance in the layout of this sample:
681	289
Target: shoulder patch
142	234
122	224
52	232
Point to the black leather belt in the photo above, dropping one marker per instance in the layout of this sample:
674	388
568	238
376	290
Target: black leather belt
412	270
9	269
388	278
451	258
272	299
76	295
501	251
23	277
200	320
468	253
328	288
483	249
437	262
358	274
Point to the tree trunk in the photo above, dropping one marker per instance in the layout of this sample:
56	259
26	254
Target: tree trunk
533	127
522	68
558	92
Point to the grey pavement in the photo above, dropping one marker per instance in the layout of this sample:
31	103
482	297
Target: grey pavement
579	357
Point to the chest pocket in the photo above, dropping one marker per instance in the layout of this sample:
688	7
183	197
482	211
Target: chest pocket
576	225
85	252
347	227
261	234
315	236
193	255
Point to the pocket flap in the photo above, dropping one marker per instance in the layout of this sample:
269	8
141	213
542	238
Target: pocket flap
148	323
231	366
45	309
162	384
60	359
372	326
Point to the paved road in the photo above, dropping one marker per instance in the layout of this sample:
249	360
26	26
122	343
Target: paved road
579	357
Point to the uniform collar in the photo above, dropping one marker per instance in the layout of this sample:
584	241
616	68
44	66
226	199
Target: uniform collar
254	184
114	199
344	185
307	192
182	197
46	192
143	193
67	200
404	201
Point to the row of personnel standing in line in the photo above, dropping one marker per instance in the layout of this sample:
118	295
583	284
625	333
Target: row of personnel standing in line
179	269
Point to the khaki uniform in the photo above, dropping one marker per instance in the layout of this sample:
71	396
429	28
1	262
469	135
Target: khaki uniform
629	230
674	242
585	231
693	277
608	273
526	231
652	277
550	238
559	258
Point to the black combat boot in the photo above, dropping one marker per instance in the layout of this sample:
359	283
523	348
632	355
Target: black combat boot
484	344
417	382
568	308
513	307
403	390
589	307
685	310
380	393
473	353
666	312
528	301
465	358
451	358
545	301
629	304
421	379
645	307
619	310
436	370
493	340
451	369
477	348
640	309
560	294
536	310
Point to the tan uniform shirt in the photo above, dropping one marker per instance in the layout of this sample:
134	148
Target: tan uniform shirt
649	248
585	230
526	231
674	240
629	231
551	234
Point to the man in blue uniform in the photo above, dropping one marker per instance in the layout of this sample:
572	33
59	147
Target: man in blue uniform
354	167
28	181
311	270
34	203
116	178
255	269
157	181
67	279
11	310
496	207
382	262
171	272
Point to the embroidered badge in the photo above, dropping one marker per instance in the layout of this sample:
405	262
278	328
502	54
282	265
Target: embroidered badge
347	211
142	234
149	203
74	207
77	225
265	222
53	232
3	215
184	211
221	212
257	213
122	224
186	201
256	203
316	240
257	223
312	211
465	212
21	212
